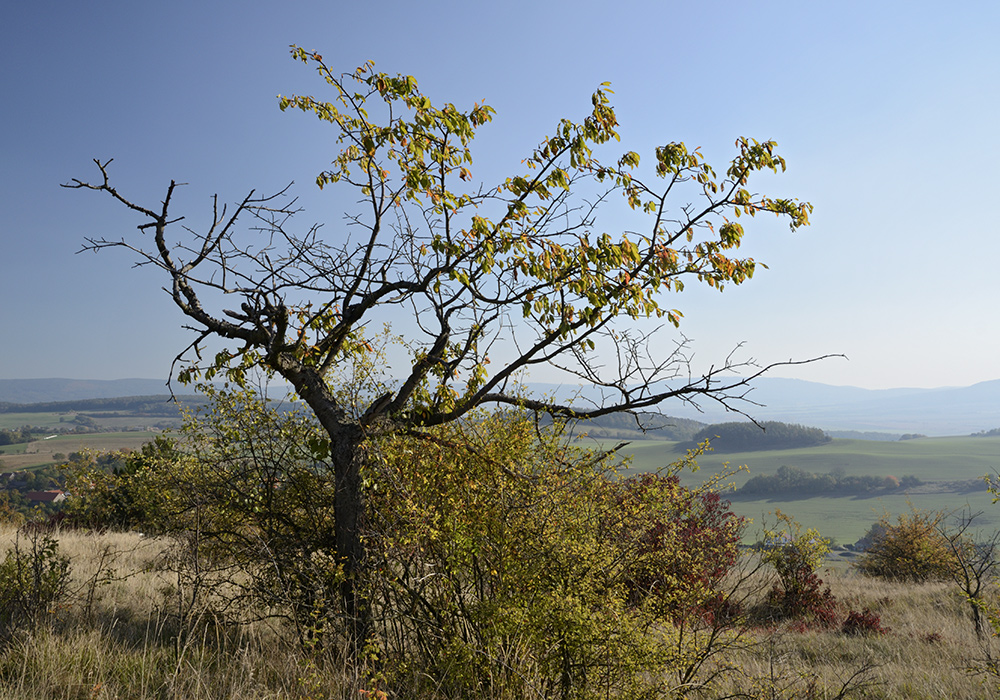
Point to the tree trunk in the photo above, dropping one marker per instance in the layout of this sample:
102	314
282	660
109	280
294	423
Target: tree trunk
347	455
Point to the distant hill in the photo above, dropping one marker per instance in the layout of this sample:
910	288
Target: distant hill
933	412
27	391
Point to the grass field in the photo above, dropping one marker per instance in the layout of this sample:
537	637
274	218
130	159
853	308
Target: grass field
930	459
42	420
845	520
107	420
952	459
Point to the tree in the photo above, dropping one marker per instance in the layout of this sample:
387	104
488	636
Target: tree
469	265
976	564
912	549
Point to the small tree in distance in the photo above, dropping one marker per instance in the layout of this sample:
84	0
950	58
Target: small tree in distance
914	548
519	269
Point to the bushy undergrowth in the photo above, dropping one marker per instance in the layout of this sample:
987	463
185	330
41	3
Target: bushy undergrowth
528	564
864	622
795	555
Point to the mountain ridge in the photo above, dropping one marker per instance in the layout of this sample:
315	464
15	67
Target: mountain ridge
936	411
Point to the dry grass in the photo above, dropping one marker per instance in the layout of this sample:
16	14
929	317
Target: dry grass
119	637
930	652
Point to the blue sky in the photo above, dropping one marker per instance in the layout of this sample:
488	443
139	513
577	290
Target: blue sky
886	115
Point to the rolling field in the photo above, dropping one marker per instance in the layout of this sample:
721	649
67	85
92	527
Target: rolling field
42	420
40	452
105	420
15	449
943	461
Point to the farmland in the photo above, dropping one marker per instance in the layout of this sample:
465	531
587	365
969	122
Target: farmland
951	466
40	452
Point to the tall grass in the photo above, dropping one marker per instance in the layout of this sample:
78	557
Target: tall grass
119	635
931	649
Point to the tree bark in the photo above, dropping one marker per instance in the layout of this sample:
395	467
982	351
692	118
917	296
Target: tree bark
347	454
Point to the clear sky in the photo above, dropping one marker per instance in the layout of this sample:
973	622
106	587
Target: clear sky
886	113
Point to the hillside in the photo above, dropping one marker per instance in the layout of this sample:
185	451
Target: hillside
934	412
31	391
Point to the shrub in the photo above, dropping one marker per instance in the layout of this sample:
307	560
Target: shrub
912	549
525	563
112	490
682	543
803	596
864	623
32	580
795	556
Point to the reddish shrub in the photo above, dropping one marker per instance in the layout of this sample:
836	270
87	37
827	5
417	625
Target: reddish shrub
865	622
803	596
686	543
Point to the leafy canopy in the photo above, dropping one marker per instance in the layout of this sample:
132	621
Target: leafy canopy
521	264
541	256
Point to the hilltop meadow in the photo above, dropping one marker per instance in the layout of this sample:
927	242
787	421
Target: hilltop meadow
128	628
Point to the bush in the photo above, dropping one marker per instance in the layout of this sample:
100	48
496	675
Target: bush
795	556
33	579
525	564
119	490
913	549
682	542
864	623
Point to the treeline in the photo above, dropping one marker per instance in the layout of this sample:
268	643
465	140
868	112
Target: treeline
746	436
987	433
653	426
796	481
16	436
138	405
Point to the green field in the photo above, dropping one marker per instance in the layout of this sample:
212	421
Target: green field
42	420
930	459
15	449
104	420
939	460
